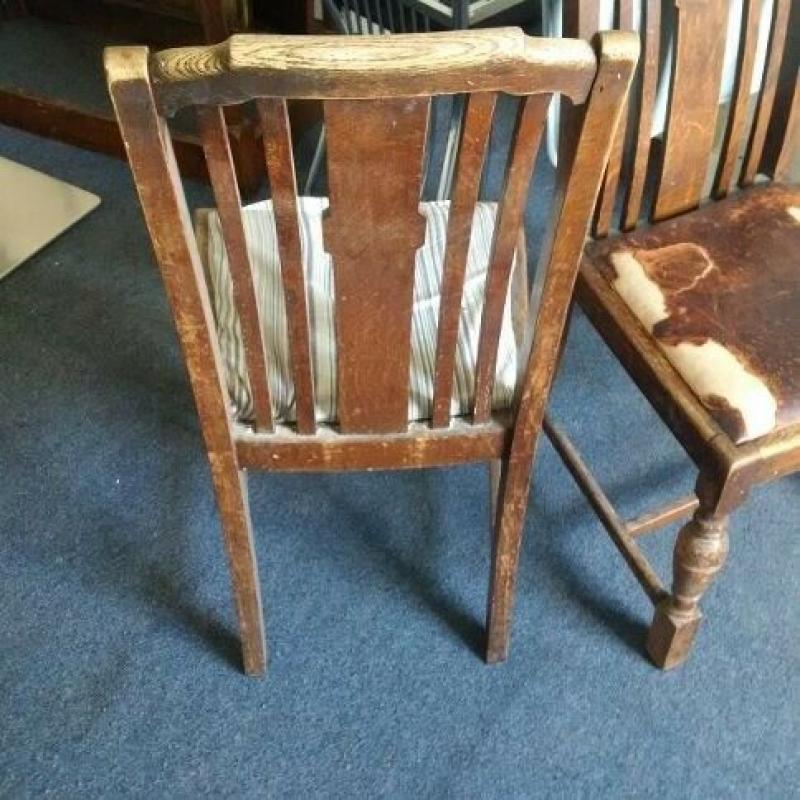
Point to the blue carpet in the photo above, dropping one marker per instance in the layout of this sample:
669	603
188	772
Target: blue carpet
119	657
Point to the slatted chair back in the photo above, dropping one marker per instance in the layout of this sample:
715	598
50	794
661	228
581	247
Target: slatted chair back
759	128
376	94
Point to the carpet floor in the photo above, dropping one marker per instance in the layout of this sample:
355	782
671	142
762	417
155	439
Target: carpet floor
119	660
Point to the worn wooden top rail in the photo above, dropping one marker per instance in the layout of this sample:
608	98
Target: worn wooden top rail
321	67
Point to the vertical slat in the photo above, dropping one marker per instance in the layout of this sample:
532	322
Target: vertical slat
791	138
737	122
649	65
217	150
376	152
283	183
510	215
471	153
608	194
697	71
390	14
766	97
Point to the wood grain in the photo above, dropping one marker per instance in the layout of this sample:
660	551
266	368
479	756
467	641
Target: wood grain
737	122
697	71
283	185
510	216
214	136
321	67
475	132
373	231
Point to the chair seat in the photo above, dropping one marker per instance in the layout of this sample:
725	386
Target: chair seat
259	223
719	291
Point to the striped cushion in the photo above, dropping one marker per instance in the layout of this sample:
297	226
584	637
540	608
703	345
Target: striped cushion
259	224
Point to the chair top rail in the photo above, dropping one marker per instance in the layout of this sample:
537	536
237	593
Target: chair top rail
325	67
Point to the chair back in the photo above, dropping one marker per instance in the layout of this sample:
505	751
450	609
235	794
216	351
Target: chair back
708	148
376	94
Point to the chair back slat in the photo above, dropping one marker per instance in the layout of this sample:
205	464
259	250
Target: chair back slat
790	146
766	97
274	118
475	132
510	215
608	193
373	229
650	28
736	129
697	73
216	146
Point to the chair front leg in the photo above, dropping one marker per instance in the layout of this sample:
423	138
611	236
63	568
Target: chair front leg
700	553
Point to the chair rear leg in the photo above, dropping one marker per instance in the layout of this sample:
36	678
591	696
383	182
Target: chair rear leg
509	487
230	486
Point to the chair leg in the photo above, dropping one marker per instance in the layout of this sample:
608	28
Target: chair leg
509	504
230	485
700	553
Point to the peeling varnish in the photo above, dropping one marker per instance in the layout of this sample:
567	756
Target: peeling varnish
710	369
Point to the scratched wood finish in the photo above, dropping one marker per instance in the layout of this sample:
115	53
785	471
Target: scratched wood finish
766	97
376	149
216	146
283	185
561	252
510	215
155	171
472	150
643	119
748	244
697	71
608	193
322	68
373	231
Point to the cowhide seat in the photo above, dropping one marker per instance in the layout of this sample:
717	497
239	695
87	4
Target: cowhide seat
719	293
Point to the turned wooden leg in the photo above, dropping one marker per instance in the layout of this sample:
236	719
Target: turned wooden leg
230	485
510	500
700	552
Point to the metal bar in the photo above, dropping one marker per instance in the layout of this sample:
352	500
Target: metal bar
613	523
652	521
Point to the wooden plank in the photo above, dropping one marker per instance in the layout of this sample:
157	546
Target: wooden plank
326	68
608	193
283	185
649	72
737	122
697	71
510	218
420	447
475	133
214	136
373	231
766	97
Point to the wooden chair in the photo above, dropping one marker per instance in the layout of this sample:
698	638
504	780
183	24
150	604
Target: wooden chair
702	306
376	94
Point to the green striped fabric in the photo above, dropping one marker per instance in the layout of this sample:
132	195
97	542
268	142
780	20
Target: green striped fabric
259	223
